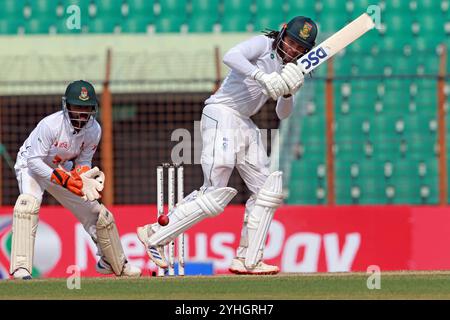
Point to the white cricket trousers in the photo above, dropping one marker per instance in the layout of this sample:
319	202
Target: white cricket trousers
229	141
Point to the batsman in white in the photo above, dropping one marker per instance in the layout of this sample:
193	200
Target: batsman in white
262	67
61	141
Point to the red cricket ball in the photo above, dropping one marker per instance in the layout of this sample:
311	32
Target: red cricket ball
163	220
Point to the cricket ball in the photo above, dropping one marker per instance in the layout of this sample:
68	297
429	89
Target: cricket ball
163	220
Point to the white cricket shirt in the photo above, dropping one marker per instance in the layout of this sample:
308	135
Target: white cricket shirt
55	138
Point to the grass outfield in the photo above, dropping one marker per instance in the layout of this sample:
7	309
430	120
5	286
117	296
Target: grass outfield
394	285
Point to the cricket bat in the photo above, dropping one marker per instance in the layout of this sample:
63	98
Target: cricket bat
338	41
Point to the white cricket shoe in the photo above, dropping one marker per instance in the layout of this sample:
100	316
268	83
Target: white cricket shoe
155	253
238	267
22	274
129	270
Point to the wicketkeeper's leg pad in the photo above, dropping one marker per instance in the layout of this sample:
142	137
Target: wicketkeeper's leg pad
25	222
268	199
185	215
109	241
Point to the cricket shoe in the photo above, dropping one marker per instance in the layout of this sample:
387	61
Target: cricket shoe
238	267
155	253
129	270
22	274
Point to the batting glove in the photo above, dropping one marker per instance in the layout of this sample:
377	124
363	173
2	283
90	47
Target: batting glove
273	85
293	75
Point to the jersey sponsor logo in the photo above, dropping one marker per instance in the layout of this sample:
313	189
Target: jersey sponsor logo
314	58
84	94
62	145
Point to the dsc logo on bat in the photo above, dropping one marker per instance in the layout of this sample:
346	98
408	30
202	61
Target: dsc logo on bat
314	58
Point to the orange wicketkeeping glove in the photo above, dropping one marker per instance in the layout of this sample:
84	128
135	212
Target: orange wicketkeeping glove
80	169
71	182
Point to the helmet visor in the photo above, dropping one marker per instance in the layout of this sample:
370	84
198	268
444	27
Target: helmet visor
80	116
290	49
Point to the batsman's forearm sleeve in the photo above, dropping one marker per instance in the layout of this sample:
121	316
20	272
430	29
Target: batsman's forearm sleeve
284	107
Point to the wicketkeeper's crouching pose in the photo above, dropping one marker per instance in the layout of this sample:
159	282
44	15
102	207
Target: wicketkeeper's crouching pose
45	161
261	67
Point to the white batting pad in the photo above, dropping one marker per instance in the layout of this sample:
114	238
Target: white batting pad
25	222
189	213
109	241
268	199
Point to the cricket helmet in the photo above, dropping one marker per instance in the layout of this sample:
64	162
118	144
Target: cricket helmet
300	29
303	30
80	94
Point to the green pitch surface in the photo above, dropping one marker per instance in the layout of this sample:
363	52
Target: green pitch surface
398	285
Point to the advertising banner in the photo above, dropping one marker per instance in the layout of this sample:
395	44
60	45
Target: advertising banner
301	239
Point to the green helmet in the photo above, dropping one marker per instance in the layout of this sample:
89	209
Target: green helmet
80	104
303	30
300	29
